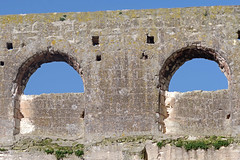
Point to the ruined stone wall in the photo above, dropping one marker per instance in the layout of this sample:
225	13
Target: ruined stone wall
53	115
126	60
198	113
138	150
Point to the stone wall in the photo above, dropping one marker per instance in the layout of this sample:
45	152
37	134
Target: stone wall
176	153
126	60
53	115
147	150
198	113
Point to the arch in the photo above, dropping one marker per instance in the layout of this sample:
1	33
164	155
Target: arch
178	58
198	74
34	62
172	64
28	68
54	77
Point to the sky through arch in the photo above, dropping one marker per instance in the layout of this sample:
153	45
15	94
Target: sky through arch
54	77
198	74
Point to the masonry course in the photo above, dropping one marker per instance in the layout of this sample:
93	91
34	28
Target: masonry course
126	60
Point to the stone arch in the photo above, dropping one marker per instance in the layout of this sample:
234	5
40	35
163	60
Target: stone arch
178	58
28	68
172	64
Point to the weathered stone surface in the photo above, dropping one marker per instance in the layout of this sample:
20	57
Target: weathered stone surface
126	74
199	110
134	151
175	153
54	115
25	156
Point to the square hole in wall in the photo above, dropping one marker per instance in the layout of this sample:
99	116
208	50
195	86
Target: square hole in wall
1	63
144	56
98	58
238	32
9	45
95	40
150	39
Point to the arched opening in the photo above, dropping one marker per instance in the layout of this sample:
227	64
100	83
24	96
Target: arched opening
170	66
198	74
54	77
28	68
178	58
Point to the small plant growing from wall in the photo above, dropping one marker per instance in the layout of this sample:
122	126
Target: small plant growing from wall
79	153
49	150
61	152
3	150
203	143
49	147
205	13
63	18
163	143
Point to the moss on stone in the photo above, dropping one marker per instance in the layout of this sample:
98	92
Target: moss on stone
3	150
127	139
49	146
202	143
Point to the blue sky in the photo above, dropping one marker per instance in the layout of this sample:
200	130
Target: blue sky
55	77
193	75
198	74
46	6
